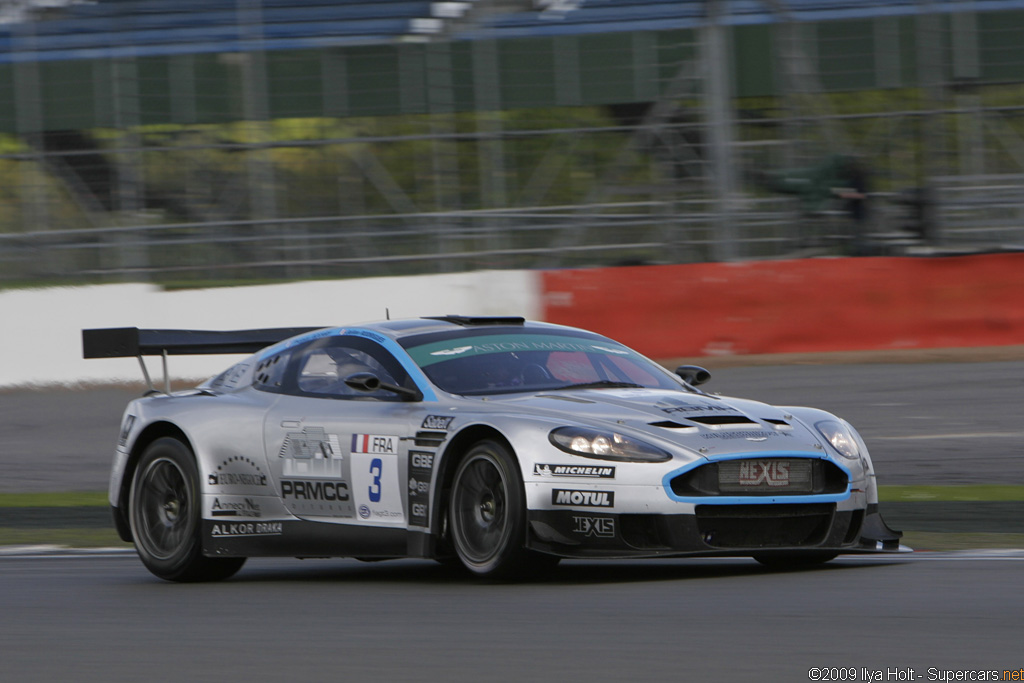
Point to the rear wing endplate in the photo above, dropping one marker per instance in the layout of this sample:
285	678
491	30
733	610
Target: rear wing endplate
126	342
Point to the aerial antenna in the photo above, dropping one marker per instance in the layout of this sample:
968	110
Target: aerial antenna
387	313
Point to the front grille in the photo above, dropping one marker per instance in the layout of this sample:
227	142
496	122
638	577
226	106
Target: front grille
762	477
764	526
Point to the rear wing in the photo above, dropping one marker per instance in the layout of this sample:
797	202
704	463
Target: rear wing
126	342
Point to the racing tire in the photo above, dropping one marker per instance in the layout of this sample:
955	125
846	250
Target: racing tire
164	513
487	516
802	559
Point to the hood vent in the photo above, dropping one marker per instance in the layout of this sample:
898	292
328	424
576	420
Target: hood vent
669	424
779	423
718	420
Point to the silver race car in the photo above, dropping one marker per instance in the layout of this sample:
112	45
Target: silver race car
497	443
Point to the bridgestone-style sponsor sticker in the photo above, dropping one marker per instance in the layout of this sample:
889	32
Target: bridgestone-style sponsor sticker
329	491
592	499
749	434
787	475
437	422
312	443
421	465
237	471
247	529
241	507
312	454
603	527
421	461
375	444
757	472
583	471
672	407
318	497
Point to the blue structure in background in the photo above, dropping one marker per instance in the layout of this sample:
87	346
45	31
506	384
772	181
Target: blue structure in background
145	28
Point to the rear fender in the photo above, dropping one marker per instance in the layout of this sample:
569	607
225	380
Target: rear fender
119	501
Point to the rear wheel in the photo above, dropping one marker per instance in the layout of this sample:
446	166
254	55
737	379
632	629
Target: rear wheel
487	515
164	512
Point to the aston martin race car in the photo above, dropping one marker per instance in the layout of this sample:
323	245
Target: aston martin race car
491	442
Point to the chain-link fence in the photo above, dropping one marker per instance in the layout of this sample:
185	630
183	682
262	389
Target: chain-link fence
249	139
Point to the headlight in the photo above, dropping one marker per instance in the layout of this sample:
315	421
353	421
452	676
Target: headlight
840	437
591	443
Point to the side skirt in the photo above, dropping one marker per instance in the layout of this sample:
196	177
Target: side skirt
301	538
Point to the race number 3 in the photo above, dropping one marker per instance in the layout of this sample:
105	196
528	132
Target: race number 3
376	468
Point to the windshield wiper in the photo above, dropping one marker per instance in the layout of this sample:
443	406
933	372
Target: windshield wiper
601	384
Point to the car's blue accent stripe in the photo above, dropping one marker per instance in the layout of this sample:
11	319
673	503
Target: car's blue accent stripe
295	341
666	481
400	354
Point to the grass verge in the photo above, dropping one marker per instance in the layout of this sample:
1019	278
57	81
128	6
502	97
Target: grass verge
919	540
72	538
931	540
53	500
950	493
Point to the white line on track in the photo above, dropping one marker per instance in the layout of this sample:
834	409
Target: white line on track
980	555
59	552
938	437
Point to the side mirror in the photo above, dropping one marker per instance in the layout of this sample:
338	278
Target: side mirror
363	381
369	382
693	375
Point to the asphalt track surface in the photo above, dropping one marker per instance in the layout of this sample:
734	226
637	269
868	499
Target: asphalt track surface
107	619
103	617
927	423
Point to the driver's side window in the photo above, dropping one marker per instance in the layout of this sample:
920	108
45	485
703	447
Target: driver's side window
322	369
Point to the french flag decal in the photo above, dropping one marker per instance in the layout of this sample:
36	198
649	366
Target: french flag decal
378	444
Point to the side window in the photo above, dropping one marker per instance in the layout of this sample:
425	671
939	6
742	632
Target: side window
321	369
269	374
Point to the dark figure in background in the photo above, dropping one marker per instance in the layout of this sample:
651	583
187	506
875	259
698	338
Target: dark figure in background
918	216
839	177
854	194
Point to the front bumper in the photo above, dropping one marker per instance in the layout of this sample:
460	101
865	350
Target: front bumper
728	530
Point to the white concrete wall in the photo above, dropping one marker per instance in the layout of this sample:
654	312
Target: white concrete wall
41	342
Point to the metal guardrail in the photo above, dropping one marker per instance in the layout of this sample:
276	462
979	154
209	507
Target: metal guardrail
988	216
538	237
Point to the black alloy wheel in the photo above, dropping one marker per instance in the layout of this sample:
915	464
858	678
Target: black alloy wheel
487	516
164	512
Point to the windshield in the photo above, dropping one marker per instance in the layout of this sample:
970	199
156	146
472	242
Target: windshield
470	363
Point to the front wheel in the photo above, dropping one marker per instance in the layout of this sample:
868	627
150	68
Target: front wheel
164	512
487	515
